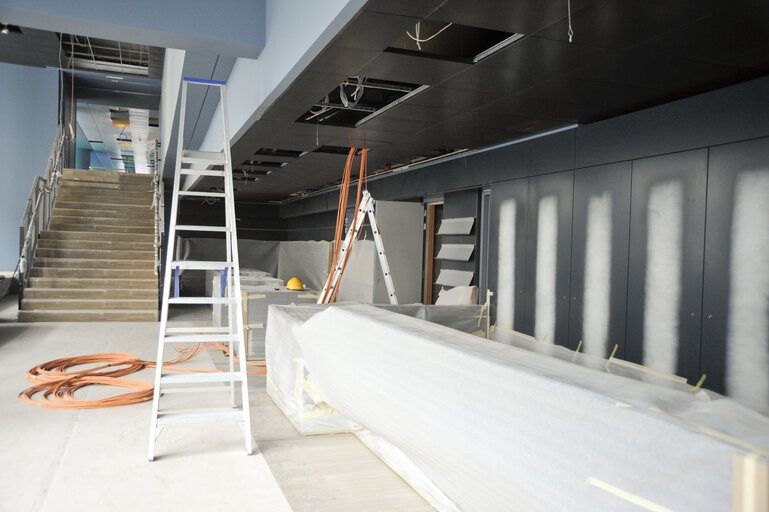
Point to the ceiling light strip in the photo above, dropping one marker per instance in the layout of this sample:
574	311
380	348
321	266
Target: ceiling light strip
497	47
395	103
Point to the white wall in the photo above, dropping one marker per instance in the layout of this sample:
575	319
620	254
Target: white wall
169	94
292	42
28	120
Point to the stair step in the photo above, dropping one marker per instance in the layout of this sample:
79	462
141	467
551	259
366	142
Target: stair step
93	263
94	204
201	338
87	174
104	193
200	417
199	378
64	226
190	156
89	304
147	215
125	220
192	193
96	236
48	243
90	293
71	184
96	273
94	282
105	201
202	172
106	315
98	254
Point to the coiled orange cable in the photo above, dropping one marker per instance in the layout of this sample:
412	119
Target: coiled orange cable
58	385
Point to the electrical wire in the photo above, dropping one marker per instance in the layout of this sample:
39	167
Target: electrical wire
58	386
356	94
570	32
418	40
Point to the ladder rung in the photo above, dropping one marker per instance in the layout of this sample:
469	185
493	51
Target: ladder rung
201	265
202	300
200	338
202	194
199	417
202	172
197	330
190	156
190	227
197	389
199	378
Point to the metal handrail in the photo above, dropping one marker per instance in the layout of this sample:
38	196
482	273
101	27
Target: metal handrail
37	215
157	203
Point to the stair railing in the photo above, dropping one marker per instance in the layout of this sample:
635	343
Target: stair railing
157	202
37	215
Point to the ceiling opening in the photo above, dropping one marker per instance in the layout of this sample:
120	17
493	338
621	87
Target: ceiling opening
96	54
279	153
335	150
357	100
450	41
263	163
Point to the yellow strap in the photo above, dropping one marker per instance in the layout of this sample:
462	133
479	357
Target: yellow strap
627	496
543	339
256	296
579	346
699	383
606	366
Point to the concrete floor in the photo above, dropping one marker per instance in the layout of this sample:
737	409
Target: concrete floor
96	459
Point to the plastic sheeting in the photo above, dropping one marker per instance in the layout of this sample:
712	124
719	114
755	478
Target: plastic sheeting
497	427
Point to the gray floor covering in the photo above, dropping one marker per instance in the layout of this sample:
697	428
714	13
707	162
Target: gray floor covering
96	459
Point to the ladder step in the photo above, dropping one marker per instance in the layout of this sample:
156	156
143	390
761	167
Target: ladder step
202	300
197	389
188	227
202	172
197	330
202	194
199	378
200	338
201	265
190	156
200	417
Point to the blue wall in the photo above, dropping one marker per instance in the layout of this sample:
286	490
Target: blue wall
28	114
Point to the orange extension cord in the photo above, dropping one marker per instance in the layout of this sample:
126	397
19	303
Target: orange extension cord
344	192
58	386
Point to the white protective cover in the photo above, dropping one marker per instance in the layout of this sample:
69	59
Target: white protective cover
496	427
459	295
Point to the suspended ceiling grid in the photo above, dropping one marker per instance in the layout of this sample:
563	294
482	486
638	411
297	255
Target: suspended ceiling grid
626	55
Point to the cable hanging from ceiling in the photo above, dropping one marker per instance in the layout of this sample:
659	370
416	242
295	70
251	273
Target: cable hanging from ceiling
418	40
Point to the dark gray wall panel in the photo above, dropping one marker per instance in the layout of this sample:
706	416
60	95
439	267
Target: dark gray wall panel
592	187
538	156
507	253
561	187
727	115
726	165
653	199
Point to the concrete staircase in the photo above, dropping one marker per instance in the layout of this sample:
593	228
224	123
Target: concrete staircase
97	260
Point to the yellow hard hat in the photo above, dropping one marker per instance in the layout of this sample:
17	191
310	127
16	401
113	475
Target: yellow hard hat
295	284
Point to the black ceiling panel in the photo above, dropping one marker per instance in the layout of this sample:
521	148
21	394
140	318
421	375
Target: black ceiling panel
415	70
626	55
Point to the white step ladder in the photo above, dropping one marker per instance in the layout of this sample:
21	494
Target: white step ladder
232	335
366	208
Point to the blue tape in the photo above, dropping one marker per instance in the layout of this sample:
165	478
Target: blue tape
223	280
176	282
202	81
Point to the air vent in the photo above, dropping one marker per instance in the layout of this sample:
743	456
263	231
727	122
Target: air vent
451	41
279	153
359	99
264	163
335	150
